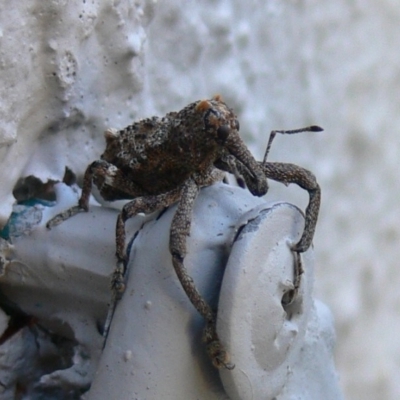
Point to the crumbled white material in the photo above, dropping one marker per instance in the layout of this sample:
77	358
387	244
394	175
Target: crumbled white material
72	69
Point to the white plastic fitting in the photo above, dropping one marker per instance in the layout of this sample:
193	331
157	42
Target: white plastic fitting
240	259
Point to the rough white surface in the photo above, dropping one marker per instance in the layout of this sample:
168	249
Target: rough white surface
70	69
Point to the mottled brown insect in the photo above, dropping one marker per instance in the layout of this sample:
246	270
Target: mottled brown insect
156	162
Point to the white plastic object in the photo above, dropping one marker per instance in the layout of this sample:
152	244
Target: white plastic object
263	334
154	348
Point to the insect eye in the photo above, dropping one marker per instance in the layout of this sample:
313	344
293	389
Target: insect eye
223	132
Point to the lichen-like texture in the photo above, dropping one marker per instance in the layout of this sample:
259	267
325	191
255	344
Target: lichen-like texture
71	69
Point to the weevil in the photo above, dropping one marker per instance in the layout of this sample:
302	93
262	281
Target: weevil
159	161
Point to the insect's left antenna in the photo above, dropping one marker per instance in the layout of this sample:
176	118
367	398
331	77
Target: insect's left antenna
312	128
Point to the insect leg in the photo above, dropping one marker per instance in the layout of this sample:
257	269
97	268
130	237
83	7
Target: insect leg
96	167
180	229
290	173
143	204
236	147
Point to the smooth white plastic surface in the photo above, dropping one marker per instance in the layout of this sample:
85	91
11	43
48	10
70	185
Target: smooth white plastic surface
154	349
265	336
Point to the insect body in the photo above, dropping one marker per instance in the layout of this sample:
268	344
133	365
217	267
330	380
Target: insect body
156	162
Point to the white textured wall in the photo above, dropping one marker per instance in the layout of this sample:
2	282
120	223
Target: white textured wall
70	69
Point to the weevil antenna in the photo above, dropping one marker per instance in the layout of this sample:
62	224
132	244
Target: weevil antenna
312	128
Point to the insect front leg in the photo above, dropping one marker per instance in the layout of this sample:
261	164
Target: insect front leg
291	173
228	163
180	229
235	147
